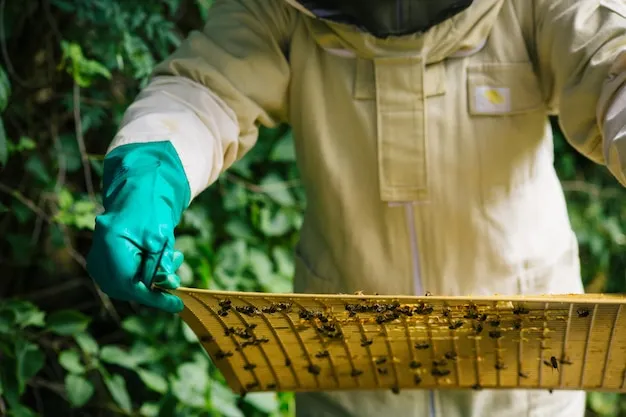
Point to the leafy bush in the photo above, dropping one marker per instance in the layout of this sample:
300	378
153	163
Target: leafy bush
69	70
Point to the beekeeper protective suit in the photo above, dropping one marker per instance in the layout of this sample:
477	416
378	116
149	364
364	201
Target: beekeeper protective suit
423	144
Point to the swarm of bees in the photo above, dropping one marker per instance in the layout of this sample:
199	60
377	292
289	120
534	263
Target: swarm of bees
423	324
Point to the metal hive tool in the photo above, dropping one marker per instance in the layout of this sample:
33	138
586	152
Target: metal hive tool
299	342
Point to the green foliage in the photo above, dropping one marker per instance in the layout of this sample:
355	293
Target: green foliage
70	70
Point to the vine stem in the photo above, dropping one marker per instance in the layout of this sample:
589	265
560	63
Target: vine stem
81	144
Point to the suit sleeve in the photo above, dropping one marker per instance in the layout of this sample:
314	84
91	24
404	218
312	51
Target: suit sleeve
581	52
211	95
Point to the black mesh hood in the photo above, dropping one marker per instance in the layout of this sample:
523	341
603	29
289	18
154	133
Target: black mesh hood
384	18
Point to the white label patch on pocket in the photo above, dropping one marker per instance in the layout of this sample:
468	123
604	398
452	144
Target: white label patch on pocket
492	99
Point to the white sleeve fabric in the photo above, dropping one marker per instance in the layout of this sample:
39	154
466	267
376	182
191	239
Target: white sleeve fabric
614	131
195	120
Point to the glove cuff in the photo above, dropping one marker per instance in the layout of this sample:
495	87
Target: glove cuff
131	163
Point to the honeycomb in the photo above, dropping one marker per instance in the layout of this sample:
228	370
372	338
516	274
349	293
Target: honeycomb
320	342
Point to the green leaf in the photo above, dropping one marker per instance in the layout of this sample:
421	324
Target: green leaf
117	387
67	322
266	402
20	410
25	144
276	224
29	361
260	263
149	409
284	260
189	334
135	325
5	89
284	150
604	403
36	167
115	355
190	385
23	313
276	188
153	380
224	401
79	390
4	144
87	343
71	361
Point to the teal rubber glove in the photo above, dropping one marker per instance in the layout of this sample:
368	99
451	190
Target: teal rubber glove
145	191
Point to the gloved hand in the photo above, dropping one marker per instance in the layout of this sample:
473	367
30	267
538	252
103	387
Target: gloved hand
145	193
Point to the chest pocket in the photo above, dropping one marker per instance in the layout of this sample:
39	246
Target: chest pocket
508	117
497	89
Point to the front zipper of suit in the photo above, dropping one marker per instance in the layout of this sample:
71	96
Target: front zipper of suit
418	286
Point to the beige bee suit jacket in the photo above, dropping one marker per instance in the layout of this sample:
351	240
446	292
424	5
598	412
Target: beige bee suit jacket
427	159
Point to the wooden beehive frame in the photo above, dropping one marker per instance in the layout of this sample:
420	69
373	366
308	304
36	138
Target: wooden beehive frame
303	342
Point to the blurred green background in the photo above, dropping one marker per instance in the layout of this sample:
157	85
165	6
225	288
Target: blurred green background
68	70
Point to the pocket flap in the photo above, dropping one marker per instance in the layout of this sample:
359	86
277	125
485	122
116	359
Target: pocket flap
495	89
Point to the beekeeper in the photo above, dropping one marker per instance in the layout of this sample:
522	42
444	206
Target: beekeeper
423	144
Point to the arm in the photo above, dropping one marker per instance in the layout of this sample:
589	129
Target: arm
199	114
209	97
581	54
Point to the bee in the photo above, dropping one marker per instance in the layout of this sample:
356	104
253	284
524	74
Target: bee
422	345
441	362
284	307
271	309
428	294
455	325
451	355
381	360
365	342
415	365
478	328
305	314
287	362
271	386
249	366
423	309
222	355
553	363
206	338
247	310
500	366
222	312
582	312
482	317
225	304
252	385
495	334
314	369
355	373
477	387
322	354
383	371
436	372
517	324
494	323
395	390
446	311
520	310
417	379
472	314
522	374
